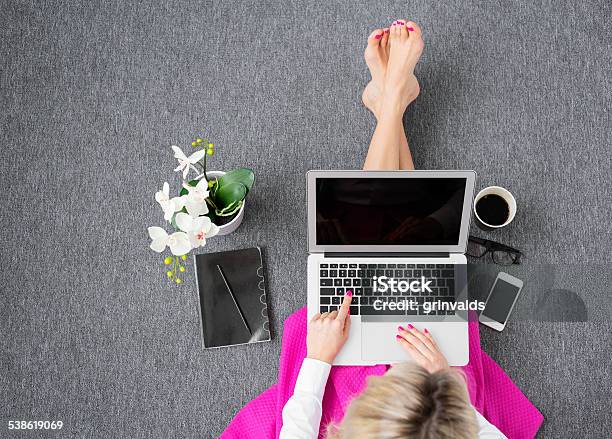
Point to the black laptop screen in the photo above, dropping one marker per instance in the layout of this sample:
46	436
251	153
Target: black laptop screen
389	211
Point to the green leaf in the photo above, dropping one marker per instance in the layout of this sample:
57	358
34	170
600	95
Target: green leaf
230	210
245	176
227	194
214	187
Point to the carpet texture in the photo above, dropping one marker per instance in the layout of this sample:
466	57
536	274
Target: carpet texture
93	94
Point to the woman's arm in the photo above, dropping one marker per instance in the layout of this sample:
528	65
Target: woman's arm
425	352
327	333
302	413
486	430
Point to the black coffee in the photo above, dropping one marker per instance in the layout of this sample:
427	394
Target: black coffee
493	210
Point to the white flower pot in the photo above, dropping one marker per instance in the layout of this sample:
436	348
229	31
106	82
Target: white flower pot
227	228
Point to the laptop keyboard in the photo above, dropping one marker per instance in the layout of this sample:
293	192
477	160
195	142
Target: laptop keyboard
336	279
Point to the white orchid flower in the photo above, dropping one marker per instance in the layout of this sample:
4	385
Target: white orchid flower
169	205
195	200
197	229
187	162
178	242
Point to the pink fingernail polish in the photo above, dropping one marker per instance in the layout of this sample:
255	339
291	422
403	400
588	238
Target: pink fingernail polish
398	337
425	331
411	29
349	293
399	328
410	326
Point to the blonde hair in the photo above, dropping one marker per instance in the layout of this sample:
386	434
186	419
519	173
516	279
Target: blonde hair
409	402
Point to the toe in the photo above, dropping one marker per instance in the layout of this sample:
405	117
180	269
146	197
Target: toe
375	37
413	28
385	39
403	31
414	31
394	30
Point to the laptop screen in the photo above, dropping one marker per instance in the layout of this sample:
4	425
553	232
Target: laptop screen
389	211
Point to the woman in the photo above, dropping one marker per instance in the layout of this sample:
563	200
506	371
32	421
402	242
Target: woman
421	399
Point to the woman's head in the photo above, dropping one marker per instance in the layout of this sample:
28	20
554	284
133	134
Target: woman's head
409	402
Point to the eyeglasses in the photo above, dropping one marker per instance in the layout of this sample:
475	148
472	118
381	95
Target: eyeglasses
500	253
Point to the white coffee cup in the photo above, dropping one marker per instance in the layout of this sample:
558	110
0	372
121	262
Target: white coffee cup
506	196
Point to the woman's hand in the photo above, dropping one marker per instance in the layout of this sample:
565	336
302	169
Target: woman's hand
327	332
422	348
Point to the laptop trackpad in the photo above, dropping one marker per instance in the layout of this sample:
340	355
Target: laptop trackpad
378	343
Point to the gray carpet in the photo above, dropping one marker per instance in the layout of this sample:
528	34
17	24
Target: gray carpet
92	95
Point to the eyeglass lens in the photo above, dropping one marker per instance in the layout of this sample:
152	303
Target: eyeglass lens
503	258
475	249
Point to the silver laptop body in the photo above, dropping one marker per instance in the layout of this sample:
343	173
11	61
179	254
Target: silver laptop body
364	223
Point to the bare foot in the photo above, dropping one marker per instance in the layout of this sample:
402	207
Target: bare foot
401	86
376	56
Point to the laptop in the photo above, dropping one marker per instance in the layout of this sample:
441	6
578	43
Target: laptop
397	240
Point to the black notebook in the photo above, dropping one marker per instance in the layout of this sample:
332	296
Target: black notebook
232	296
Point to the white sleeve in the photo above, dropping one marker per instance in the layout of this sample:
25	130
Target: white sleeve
302	412
486	430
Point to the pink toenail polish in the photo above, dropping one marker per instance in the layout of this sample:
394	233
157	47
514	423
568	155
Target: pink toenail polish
411	29
378	37
386	31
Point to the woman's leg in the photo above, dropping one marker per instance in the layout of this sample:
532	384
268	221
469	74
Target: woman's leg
383	153
387	99
405	154
376	155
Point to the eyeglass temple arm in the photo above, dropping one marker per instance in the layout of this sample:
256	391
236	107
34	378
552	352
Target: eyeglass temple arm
508	248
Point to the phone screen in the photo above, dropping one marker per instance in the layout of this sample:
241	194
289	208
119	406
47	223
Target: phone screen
500	301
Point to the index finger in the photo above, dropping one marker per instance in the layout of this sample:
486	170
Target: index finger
346	306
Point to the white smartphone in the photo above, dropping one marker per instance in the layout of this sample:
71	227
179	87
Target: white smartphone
501	300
